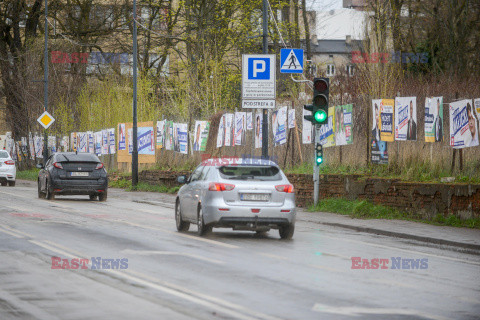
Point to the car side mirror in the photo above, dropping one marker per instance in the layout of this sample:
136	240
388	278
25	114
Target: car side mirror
39	165
182	179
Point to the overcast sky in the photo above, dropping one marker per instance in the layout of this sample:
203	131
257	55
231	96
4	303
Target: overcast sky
324	5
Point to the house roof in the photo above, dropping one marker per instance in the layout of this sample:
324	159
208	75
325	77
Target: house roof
335	46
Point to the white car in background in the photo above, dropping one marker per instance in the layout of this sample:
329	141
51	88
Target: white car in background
8	171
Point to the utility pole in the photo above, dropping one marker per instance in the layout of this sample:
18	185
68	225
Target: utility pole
135	142
45	84
265	111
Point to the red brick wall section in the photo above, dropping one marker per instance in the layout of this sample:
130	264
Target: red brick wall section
424	199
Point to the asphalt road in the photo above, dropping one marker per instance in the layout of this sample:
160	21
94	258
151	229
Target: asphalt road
227	275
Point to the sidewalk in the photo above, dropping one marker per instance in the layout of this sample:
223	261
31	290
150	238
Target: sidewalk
463	238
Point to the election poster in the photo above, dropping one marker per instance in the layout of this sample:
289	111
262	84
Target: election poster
182	136
111	142
433	119
122	143
31	146
98	142
146	140
228	129
52	144
405	118
343	125
307	128
291	118
477	107
168	135
327	131
130	141
64	143
383	116
73	141
38	142
249	120
200	135
221	132
91	142
279	124
258	130
379	152
82	142
240	128
463	124
161	134
105	142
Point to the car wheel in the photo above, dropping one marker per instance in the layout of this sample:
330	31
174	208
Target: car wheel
4	184
102	196
202	228
93	197
49	194
181	225
11	183
41	195
286	232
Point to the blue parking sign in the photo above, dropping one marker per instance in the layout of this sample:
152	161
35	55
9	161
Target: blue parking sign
258	76
258	68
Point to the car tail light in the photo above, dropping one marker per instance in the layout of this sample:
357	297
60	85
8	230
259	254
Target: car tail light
58	165
255	210
10	162
223	209
99	166
215	186
99	190
288	188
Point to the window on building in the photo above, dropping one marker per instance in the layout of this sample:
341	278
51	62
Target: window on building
350	70
330	70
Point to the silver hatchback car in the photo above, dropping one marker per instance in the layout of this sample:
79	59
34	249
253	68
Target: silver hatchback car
238	193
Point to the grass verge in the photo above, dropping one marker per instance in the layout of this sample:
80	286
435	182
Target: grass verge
141	186
30	174
364	209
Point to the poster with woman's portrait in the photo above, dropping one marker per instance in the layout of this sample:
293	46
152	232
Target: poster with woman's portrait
258	130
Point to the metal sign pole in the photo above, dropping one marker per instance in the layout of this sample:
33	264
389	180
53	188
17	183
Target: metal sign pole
135	142
265	111
316	168
45	84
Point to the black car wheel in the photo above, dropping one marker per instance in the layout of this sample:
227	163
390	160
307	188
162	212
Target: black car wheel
103	196
11	183
4	184
181	225
286	232
93	197
41	195
202	228
49	193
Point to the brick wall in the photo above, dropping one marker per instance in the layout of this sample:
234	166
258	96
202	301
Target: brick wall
425	199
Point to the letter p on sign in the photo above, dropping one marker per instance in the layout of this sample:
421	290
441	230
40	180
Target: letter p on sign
258	69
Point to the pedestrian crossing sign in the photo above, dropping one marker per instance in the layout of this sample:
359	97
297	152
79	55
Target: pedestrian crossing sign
291	60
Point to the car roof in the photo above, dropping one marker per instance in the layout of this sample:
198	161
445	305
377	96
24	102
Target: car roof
252	161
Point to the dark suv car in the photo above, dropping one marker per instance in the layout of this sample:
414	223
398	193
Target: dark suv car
69	173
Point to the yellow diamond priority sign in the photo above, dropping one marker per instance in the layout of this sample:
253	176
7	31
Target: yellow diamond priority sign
46	120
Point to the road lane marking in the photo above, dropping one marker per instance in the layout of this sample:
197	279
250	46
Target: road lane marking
26	307
16	195
28	235
274	256
356	311
78	253
13	234
217	304
170	253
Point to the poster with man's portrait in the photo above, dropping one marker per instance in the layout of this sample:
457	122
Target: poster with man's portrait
221	132
200	135
240	128
343	125
464	124
161	134
406	118
383	119
258	130
433	119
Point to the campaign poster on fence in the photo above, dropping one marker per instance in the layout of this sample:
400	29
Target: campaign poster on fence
91	142
200	135
122	142
306	128
221	132
405	118
82	139
31	146
160	134
145	140
327	131
130	141
168	135
249	120
111	142
433	119
343	125
383	116
182	134
240	128
279	123
258	130
38	141
73	141
105	141
98	142
228	129
52	144
291	118
463	124
379	152
65	143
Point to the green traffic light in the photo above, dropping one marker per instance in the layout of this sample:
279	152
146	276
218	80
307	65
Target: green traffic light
320	116
319	160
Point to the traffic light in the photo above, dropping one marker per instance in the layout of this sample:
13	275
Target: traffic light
318	154
321	88
319	106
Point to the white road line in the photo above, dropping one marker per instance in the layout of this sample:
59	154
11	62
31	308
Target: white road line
78	253
355	311
24	306
28	235
170	253
274	256
16	195
219	305
11	233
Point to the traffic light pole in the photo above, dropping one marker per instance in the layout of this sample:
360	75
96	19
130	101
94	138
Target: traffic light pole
316	168
265	111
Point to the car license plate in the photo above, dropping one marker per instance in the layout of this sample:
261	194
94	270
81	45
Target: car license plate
254	196
79	174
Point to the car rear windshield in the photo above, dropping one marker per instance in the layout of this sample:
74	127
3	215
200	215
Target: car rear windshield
262	173
3	154
77	157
